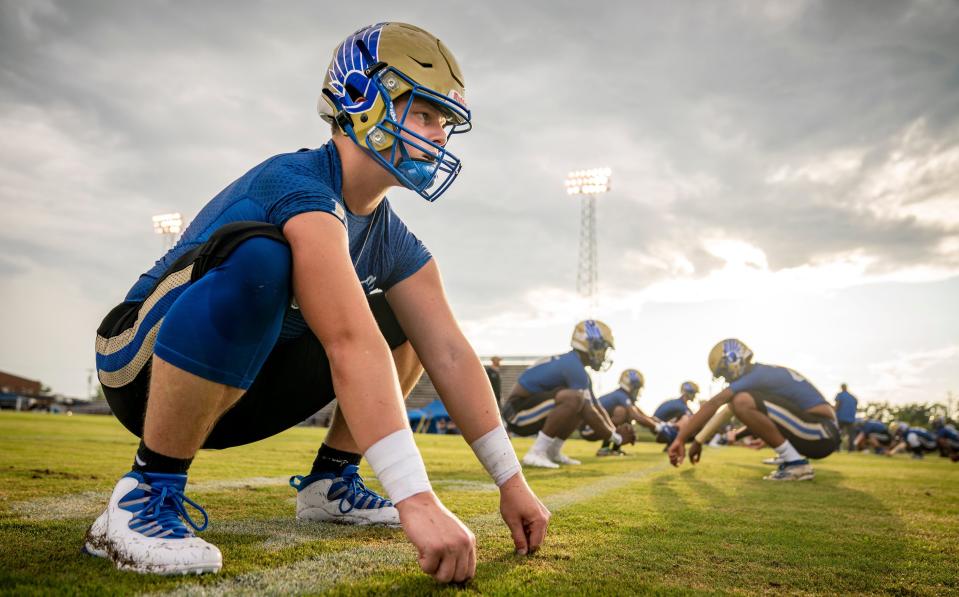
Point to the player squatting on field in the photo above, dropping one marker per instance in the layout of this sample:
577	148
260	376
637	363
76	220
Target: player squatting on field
554	397
290	288
777	404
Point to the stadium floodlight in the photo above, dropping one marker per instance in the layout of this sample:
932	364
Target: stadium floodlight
588	184
169	227
594	181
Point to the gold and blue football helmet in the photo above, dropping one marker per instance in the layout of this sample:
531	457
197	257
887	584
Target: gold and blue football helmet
729	359
594	338
373	68
688	388
631	381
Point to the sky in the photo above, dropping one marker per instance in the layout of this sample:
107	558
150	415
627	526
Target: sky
784	172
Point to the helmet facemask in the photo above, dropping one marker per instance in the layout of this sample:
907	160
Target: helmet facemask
430	177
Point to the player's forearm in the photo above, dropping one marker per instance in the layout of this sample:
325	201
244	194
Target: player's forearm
462	383
644	420
703	415
365	382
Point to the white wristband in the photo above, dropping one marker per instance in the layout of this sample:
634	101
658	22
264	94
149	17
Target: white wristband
496	453
398	465
616	438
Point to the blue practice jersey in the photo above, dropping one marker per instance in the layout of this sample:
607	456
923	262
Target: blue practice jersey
561	371
672	409
872	426
846	407
948	432
618	397
921	432
782	382
383	250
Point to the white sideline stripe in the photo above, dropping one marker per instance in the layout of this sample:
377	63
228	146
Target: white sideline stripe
324	572
88	504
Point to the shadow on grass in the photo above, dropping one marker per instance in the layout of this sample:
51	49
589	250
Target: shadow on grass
735	531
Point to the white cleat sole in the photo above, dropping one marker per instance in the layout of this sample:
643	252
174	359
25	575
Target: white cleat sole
538	461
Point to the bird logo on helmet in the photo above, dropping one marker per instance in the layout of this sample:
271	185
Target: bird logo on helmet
369	72
689	388
631	381
594	339
729	359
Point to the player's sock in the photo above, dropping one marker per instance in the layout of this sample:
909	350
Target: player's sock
788	452
542	444
146	460
606	443
331	460
556	446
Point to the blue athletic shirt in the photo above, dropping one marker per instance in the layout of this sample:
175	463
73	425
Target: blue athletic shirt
561	371
846	411
782	382
949	432
618	397
672	409
873	426
384	253
921	432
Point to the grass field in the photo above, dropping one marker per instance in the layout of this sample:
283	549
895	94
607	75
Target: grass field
633	525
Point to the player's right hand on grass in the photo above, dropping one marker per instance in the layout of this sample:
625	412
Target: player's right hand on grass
447	549
677	451
695	452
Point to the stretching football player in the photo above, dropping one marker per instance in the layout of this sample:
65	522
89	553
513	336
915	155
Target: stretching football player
554	397
777	404
620	405
917	440
872	434
947	437
290	288
676	410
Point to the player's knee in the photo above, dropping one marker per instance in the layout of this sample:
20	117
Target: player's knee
252	288
573	398
262	263
742	401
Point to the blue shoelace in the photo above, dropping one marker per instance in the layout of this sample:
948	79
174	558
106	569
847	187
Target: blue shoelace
348	487
165	510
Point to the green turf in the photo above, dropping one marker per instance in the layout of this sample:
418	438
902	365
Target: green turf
866	525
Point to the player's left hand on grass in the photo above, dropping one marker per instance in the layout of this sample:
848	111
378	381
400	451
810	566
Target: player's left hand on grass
677	451
695	452
526	516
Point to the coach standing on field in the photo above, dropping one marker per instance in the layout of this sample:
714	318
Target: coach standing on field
846	415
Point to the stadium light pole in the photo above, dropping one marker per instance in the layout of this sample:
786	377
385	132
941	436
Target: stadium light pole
588	184
169	227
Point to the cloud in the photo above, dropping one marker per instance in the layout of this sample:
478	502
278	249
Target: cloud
907	377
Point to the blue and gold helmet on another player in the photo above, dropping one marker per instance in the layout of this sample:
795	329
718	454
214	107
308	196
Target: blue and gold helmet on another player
897	428
688	388
631	381
729	359
373	68
593	338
